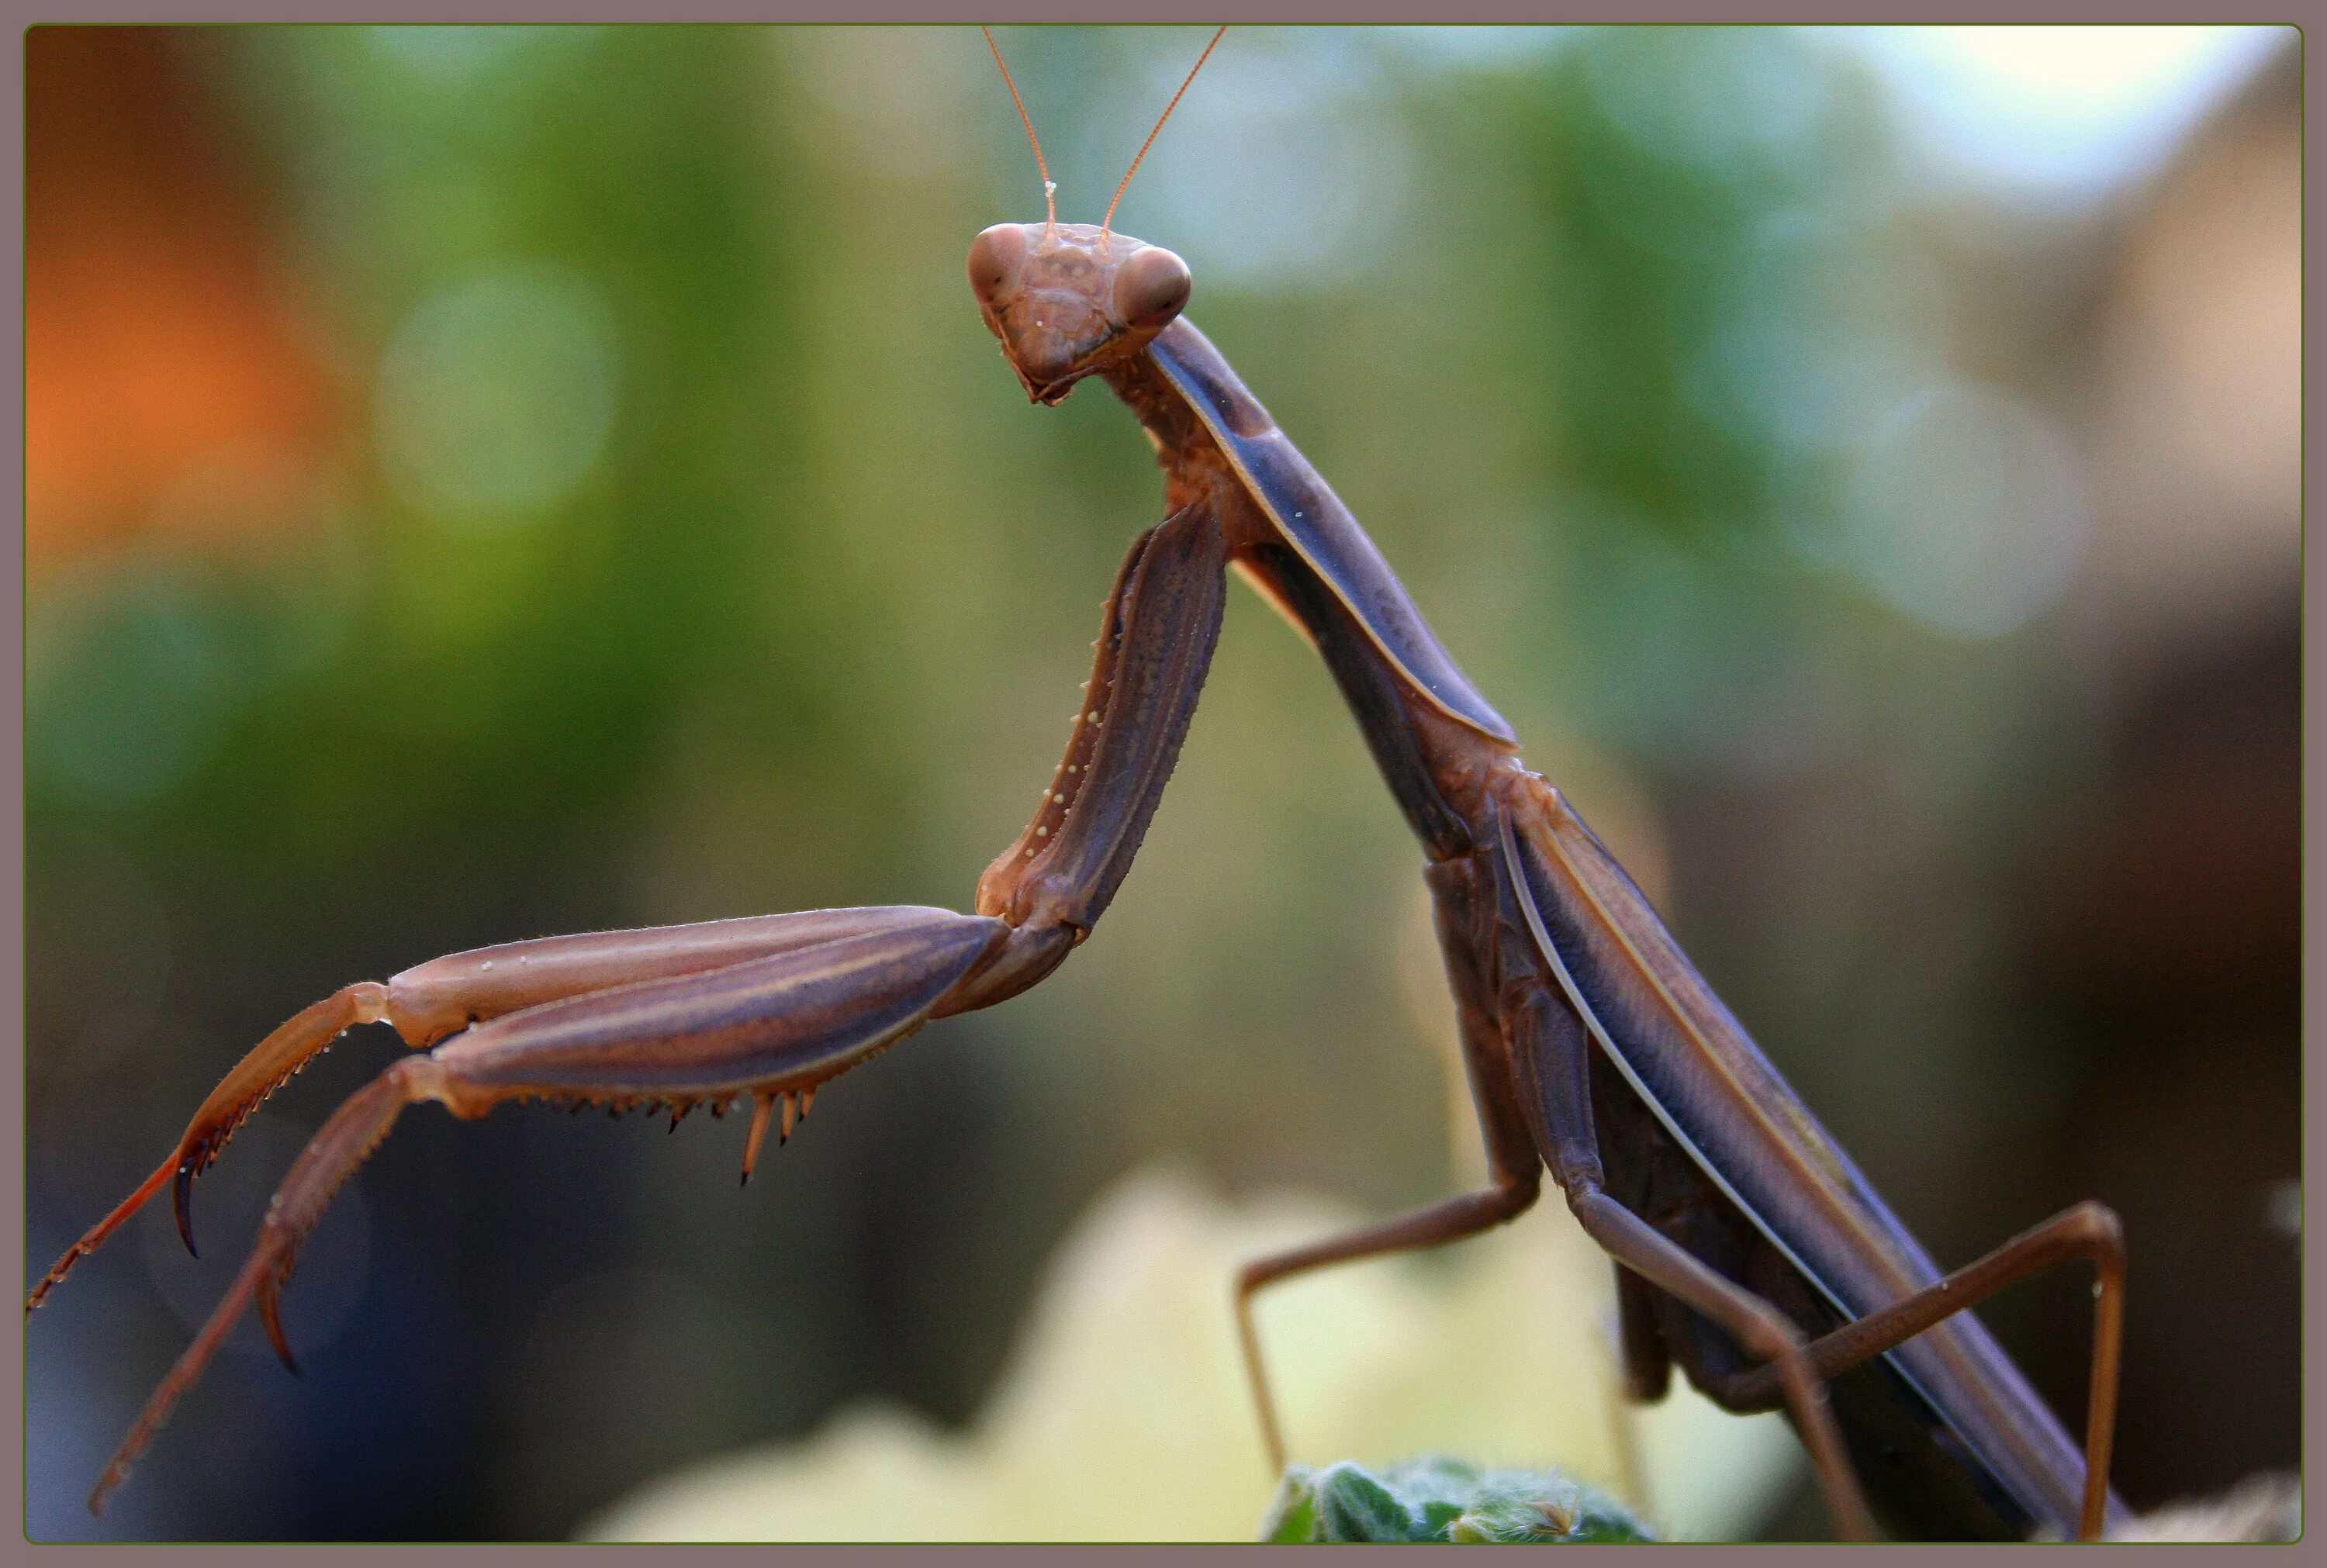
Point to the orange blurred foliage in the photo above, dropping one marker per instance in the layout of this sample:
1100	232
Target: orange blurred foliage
166	389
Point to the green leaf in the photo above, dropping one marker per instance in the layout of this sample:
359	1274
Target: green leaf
1438	1497
1353	1506
1293	1513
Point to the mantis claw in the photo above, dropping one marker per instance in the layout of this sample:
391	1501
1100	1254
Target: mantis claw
269	1296
269	1316
182	1199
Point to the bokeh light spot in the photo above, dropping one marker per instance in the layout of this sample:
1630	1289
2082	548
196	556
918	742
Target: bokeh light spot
2062	111
1320	181
1968	511
495	395
462	54
1821	329
1723	101
128	684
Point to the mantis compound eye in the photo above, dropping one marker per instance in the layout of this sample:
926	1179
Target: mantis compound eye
1151	288
995	256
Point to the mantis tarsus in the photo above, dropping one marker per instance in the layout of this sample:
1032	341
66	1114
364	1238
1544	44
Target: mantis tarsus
1750	1250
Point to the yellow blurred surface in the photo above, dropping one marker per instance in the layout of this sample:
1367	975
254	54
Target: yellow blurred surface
1123	1414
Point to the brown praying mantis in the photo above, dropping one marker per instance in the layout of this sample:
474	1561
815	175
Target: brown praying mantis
1749	1249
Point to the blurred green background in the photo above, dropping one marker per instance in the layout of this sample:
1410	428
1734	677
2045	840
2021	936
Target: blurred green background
491	482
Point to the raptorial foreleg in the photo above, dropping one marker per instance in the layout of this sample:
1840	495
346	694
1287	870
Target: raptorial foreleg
431	1001
769	1028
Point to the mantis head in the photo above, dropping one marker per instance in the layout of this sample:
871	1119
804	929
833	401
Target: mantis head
1066	298
1069	299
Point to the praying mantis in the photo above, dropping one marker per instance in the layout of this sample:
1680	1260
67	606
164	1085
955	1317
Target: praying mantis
1750	1251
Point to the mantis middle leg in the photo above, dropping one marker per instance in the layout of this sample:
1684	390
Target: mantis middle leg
1463	908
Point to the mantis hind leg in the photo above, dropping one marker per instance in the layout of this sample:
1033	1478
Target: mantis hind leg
1757	1325
2088	1231
1551	1057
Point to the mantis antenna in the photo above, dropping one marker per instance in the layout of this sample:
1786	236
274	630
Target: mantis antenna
1107	222
1051	186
